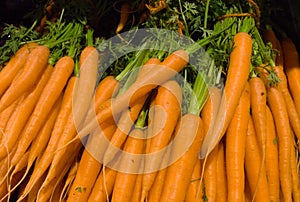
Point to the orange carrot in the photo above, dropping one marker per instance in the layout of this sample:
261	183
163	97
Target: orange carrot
103	186
124	126
221	174
5	116
294	116
137	193
167	111
179	173
47	156
236	78
46	190
171	65
124	14
90	164
158	184
192	194
294	173
54	87
128	116
235	147
23	112
35	64
292	69
14	65
256	174
272	168
128	167
258	110
38	145
281	119
208	114
85	84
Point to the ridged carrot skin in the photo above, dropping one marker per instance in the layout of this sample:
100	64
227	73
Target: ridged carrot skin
35	65
236	79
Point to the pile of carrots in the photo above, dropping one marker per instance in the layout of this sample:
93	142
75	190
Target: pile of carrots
68	135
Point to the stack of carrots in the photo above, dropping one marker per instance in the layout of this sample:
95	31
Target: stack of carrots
66	135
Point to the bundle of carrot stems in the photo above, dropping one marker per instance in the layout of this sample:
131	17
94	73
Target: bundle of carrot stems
171	124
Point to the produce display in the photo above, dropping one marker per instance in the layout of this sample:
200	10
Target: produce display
149	100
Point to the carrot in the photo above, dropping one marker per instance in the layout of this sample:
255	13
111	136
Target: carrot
236	78
14	65
235	147
35	189
86	82
129	166
124	14
90	164
158	184
35	64
175	62
192	194
46	190
54	87
137	194
258	101
270	36
294	116
280	115
59	125
38	145
210	176
256	173
167	111
6	114
208	115
124	126
106	89
294	173
127	117
69	180
292	69
221	174
272	168
103	186
23	112
179	173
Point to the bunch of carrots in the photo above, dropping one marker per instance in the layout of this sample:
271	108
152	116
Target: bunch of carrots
68	135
